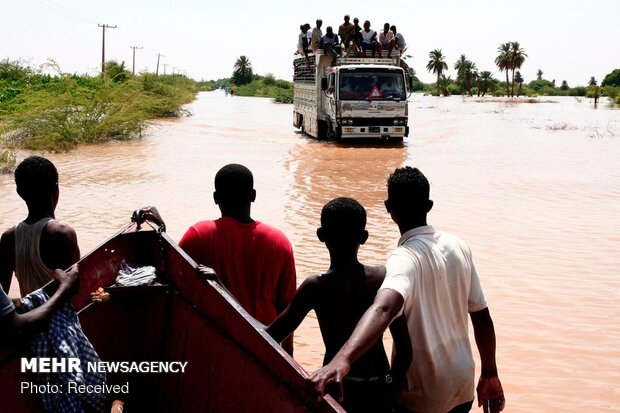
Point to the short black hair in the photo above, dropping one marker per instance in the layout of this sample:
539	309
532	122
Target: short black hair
408	186
234	182
344	215
35	178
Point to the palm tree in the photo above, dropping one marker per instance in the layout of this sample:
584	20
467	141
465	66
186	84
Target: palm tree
503	61
539	74
437	64
464	72
459	66
519	80
443	83
485	78
517	57
242	71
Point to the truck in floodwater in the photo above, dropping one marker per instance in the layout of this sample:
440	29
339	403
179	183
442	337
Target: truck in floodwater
350	98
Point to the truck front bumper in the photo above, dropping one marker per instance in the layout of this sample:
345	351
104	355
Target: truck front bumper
378	132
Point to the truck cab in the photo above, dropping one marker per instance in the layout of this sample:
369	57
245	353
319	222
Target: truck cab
350	98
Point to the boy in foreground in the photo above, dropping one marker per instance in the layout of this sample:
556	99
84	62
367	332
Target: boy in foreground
340	297
36	246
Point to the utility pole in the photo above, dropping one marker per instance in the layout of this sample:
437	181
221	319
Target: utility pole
133	67
157	70
165	64
104	26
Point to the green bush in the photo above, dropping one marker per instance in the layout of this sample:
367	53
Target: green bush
56	113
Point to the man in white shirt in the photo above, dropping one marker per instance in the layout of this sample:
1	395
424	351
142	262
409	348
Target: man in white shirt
432	280
317	33
369	39
386	40
401	45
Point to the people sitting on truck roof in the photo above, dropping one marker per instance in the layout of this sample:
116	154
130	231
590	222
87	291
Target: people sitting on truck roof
401	45
357	35
346	31
330	43
386	40
308	34
302	43
317	33
369	39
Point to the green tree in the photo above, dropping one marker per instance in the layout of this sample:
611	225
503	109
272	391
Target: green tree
612	79
466	72
517	57
437	65
503	62
564	85
539	74
519	80
242	71
116	71
592	81
484	80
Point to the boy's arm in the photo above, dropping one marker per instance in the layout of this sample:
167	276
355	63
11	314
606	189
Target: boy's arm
403	350
7	260
490	391
290	318
31	321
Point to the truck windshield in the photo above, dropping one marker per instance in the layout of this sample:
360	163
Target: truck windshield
372	86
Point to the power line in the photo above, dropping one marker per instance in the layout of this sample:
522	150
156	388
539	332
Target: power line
61	11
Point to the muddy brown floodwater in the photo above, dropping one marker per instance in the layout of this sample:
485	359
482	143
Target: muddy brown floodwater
534	188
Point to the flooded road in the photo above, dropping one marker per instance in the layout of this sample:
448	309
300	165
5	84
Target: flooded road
534	188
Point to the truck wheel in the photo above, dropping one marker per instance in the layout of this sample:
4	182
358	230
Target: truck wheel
396	139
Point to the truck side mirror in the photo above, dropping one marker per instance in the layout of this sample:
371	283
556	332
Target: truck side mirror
324	84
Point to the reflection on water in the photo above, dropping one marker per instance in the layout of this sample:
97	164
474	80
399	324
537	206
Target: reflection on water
533	188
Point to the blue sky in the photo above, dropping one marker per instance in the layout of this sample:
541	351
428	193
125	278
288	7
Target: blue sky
567	39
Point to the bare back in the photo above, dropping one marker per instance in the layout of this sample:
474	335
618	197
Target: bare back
340	300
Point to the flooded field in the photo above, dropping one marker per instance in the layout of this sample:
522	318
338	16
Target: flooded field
534	188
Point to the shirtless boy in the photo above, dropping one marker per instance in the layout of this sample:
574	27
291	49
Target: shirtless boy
340	297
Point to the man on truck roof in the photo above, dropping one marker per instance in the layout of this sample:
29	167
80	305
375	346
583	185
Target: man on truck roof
401	45
346	31
369	39
386	40
317	33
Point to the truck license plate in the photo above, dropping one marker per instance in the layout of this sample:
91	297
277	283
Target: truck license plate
374	129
